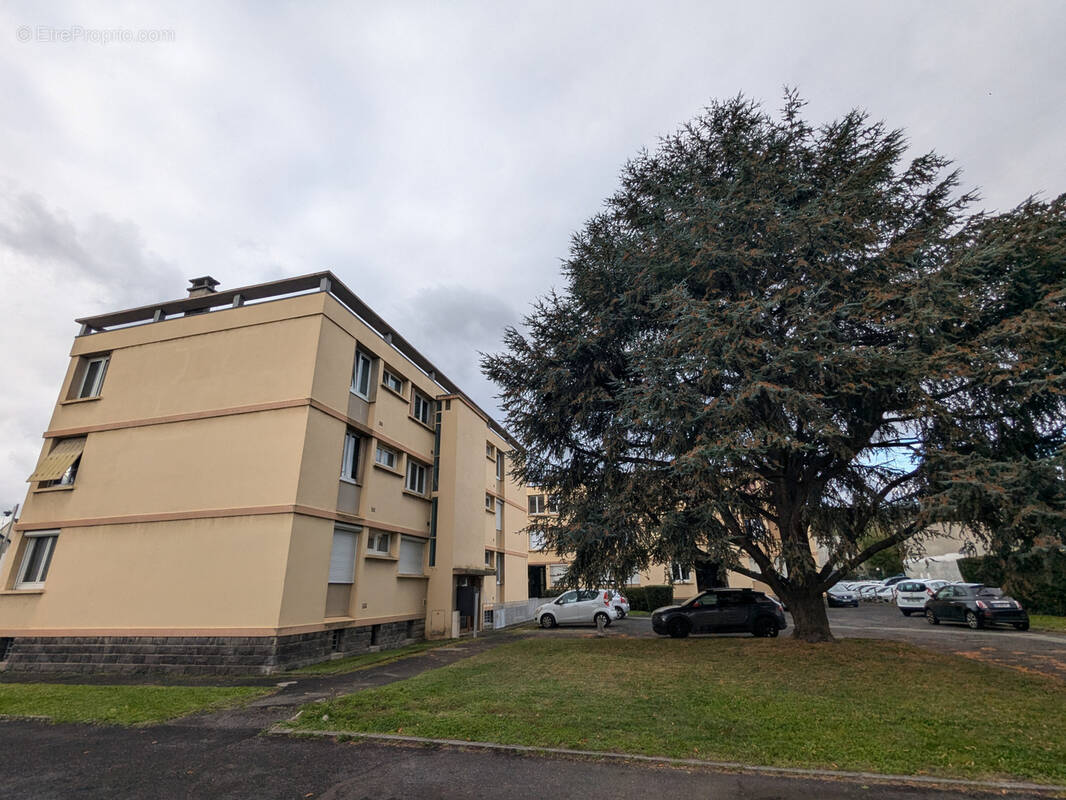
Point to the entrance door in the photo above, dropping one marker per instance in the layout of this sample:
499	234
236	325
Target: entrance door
538	581
466	603
709	575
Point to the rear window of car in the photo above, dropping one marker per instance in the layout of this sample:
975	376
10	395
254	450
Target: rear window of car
989	591
911	586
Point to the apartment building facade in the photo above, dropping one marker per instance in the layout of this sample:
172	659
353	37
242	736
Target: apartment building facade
255	479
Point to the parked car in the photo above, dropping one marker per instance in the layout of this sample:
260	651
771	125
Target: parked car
912	594
868	591
885	594
577	607
894	580
975	605
721	611
840	595
620	603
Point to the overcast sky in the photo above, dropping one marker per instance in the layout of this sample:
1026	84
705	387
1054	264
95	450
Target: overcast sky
437	157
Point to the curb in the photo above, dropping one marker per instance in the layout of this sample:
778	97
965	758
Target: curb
730	766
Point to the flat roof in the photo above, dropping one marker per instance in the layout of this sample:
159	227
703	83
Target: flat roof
313	282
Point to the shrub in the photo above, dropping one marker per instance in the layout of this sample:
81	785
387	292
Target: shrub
982	569
658	596
1036	578
636	597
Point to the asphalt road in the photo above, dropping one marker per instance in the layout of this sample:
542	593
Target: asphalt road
64	761
1031	651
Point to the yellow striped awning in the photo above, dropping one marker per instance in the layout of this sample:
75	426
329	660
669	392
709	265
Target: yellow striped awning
57	462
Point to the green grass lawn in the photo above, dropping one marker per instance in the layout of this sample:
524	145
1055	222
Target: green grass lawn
354	663
1044	622
117	705
857	705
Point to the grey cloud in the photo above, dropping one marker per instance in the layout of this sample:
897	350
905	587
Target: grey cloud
108	253
451	325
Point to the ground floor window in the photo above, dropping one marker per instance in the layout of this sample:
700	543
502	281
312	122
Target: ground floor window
37	557
680	574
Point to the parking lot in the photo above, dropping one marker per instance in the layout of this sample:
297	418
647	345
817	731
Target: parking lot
1032	650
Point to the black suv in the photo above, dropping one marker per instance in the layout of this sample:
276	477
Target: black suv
721	611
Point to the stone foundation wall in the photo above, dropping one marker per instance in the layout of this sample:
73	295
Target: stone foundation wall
200	655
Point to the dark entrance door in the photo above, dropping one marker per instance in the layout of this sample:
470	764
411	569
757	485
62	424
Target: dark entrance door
466	605
538	581
709	575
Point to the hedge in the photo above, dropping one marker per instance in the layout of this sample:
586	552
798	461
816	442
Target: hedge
1036	578
649	598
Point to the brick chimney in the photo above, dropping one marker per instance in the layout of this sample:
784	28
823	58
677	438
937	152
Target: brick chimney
198	287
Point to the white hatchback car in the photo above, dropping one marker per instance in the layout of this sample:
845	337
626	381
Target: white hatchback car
577	607
911	595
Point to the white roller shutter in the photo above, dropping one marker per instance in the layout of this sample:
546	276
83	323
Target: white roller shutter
411	556
342	557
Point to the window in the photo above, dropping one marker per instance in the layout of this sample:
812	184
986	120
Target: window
350	458
488	558
379	543
499	515
361	375
423	407
499	569
499	465
37	557
416	477
490	451
392	381
93	376
536	540
553	504
680	574
536	504
60	466
490	502
557	573
385	456
342	556
411	555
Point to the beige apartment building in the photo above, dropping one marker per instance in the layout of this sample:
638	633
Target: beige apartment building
255	479
547	568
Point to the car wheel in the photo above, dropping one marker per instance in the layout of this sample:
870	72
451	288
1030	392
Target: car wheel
600	615
765	628
678	629
547	621
905	612
1022	626
930	617
973	620
621	613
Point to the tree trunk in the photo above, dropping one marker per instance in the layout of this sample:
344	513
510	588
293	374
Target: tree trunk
809	617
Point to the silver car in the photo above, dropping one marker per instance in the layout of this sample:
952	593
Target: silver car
578	607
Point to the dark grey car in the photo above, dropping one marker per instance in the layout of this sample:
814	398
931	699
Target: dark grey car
721	611
976	605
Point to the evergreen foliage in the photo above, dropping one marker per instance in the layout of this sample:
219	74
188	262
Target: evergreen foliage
778	339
